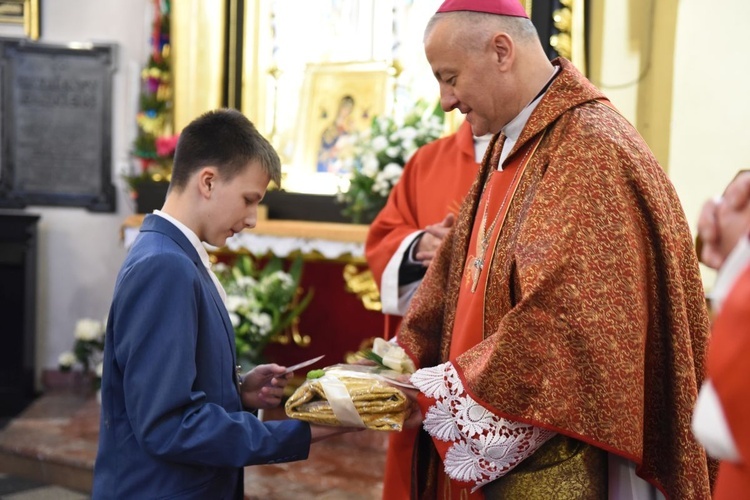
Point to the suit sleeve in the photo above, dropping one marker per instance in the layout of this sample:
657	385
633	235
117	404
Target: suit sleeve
157	313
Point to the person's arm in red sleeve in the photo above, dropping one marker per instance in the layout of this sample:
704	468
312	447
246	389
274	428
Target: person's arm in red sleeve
391	235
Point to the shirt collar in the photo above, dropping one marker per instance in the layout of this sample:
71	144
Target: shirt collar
190	235
514	127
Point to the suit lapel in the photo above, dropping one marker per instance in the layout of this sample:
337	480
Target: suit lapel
154	223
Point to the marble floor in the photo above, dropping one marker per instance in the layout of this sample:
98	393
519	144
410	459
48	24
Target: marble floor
52	446
20	488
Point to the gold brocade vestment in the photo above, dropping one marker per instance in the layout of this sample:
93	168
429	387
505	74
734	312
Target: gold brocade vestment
594	323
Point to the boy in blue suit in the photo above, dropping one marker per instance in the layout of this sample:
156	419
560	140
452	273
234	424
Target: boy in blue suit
175	420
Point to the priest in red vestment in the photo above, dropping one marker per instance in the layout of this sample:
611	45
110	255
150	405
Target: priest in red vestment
561	329
420	208
429	193
722	414
721	420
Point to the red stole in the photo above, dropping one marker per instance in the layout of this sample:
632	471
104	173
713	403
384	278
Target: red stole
497	195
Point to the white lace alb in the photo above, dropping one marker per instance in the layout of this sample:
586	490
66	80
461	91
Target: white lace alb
484	446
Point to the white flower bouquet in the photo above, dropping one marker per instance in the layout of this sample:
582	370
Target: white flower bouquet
87	350
379	156
262	302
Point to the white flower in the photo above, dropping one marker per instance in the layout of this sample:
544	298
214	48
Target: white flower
388	140
392	172
409	146
246	282
263	322
393	151
220	268
379	143
408	134
234	318
236	303
370	165
88	329
283	278
432	124
382	122
66	359
381	186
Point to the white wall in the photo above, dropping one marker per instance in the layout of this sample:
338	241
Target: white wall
80	251
619	59
711	102
710	105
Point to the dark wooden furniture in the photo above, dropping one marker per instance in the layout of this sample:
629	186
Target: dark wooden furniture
18	258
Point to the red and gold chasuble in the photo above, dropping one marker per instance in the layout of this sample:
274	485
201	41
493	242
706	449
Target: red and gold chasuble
595	324
468	327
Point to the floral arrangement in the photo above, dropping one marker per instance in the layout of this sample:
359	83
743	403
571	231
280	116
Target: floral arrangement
88	347
262	301
379	156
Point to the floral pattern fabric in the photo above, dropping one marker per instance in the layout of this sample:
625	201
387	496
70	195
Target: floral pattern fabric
613	358
484	446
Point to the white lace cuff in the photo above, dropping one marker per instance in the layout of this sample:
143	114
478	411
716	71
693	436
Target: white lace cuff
483	445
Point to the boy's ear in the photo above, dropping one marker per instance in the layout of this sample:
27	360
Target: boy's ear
207	177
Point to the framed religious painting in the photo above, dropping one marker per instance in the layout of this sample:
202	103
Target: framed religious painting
338	101
20	18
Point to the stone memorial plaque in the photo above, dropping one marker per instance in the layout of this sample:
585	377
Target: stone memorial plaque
56	125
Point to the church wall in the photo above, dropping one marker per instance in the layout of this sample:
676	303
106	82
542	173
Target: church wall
711	106
676	70
80	251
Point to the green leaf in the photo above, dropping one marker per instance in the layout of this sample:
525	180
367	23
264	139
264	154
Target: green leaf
295	270
373	357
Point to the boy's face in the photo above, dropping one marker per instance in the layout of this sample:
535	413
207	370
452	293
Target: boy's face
234	204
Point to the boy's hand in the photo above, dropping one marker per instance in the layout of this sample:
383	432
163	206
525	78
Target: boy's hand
415	418
263	386
321	432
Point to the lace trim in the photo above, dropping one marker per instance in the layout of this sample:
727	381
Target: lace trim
484	446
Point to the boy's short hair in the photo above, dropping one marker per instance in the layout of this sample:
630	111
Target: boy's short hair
227	140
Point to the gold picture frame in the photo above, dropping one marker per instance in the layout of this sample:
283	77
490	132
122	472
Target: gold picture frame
338	100
21	13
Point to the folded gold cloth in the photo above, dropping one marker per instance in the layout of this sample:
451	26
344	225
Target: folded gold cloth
351	398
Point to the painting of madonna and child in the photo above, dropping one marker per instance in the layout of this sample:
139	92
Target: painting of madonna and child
339	101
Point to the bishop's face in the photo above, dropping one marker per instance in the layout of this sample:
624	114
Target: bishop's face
472	80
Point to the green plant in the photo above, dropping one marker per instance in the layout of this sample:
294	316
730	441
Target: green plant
262	301
87	350
379	156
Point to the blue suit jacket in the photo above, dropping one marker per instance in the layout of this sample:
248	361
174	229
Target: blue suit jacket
172	423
